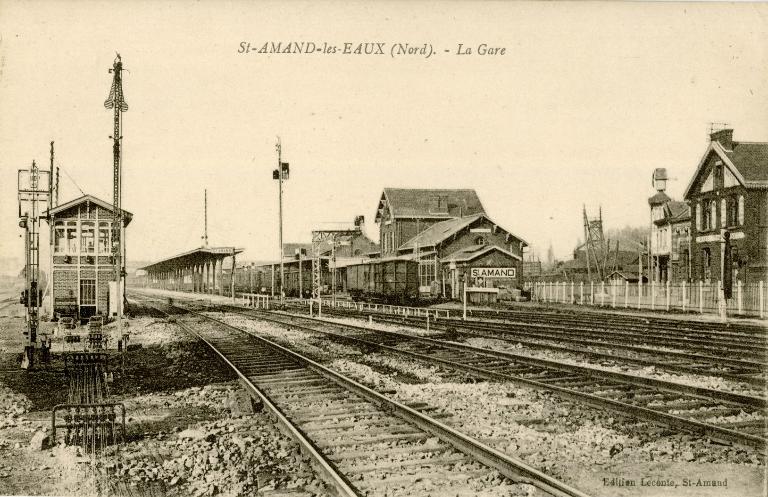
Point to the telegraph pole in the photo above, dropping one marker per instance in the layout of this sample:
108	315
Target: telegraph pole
116	101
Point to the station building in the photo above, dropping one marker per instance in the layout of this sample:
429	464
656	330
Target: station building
82	265
452	237
729	192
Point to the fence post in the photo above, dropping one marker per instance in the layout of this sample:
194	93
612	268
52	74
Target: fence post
701	297
626	294
653	295
602	293
762	300
639	290
669	295
684	296
573	300
581	293
738	295
613	294
592	292
564	291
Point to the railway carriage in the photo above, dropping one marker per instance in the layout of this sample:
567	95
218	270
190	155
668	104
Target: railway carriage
391	281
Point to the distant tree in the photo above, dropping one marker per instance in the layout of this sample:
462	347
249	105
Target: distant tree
629	237
550	256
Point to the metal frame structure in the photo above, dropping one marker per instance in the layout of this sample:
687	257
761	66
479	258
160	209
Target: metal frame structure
319	237
34	186
116	101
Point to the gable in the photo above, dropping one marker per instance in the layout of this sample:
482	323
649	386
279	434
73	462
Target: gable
704	179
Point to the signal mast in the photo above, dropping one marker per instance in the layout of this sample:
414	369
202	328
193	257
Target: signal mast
116	101
34	188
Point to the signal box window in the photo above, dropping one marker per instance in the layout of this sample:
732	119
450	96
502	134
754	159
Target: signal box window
104	238
71	233
87	244
58	237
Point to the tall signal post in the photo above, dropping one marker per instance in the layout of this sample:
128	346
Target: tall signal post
281	174
116	101
205	217
34	188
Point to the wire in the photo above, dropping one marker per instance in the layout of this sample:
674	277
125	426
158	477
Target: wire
70	177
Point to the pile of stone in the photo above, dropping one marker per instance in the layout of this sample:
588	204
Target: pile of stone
234	455
12	407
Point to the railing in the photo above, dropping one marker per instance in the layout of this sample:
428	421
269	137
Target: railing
378	308
254	300
747	299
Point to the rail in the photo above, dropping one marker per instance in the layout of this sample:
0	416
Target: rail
508	466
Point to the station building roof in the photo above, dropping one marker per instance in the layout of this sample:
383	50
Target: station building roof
199	255
471	253
427	203
441	231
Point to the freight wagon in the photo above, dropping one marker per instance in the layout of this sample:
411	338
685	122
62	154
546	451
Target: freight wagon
393	281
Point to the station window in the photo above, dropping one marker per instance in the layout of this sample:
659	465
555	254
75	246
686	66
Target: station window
87	243
426	271
87	292
709	208
741	210
104	238
732	211
58	237
71	235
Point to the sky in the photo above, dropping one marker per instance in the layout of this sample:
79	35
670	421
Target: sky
587	99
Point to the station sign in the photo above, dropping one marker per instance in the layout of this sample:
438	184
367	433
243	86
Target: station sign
492	272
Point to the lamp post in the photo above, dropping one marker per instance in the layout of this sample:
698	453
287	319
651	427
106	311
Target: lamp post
280	174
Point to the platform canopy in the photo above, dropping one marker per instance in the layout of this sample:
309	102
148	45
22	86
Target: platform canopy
200	255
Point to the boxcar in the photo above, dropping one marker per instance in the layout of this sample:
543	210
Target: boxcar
391	281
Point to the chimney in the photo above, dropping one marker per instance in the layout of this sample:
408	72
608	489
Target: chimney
360	223
724	137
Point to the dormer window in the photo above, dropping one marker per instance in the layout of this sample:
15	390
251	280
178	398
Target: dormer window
438	205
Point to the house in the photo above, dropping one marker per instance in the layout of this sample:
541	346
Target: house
729	192
670	249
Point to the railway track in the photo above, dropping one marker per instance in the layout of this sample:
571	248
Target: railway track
361	441
718	415
598	347
607	319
